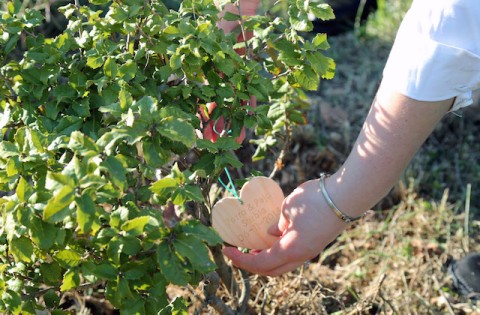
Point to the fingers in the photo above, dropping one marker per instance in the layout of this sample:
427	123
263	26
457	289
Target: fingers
283	256
248	262
284	268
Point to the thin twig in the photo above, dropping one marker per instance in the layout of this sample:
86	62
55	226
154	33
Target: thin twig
201	308
437	284
283	152
32	295
223	270
245	295
212	282
244	33
467	218
9	87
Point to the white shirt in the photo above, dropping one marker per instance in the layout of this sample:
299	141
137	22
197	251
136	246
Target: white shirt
436	54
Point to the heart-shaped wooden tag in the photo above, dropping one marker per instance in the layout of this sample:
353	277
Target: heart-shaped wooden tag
246	224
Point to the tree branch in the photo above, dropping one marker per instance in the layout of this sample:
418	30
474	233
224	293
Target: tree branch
212	282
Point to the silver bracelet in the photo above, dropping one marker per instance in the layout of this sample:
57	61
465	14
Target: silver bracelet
342	216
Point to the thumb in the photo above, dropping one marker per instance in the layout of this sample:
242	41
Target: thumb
278	228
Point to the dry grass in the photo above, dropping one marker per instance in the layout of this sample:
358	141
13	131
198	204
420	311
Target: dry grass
394	262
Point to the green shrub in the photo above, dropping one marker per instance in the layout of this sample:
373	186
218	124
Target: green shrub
100	132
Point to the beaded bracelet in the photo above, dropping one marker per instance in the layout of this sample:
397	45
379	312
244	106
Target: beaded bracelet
340	214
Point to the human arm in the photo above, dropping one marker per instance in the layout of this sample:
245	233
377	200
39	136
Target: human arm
245	8
213	129
394	129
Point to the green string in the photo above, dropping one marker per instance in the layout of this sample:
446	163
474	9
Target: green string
232	190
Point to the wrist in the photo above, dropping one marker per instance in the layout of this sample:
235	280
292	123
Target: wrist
345	214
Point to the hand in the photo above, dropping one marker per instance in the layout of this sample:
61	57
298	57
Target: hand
305	228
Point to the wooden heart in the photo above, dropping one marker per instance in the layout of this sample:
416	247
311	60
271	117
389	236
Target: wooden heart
246	224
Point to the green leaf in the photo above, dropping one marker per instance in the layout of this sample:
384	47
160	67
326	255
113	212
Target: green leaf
205	164
122	293
68	258
100	2
24	190
322	11
116	170
177	130
8	149
108	140
71	279
114	249
43	234
21	249
118	217
51	299
171	266
87	220
226	66
299	19
185	193
11	43
110	68
210	146
177	307
226	159
103	271
195	251
68	124
154	154
134	270
229	16
176	62
323	65
126	99
77	79
164	186
11	8
58	207
64	93
134	307
128	71
136	226
320	41
13	166
95	62
130	245
81	143
119	14
12	301
207	234
222	144
58	180
307	78
51	273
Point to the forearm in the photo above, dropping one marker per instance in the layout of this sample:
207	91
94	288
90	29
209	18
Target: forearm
394	129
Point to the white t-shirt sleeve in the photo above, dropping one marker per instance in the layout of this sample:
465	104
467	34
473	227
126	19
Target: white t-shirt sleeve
436	54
